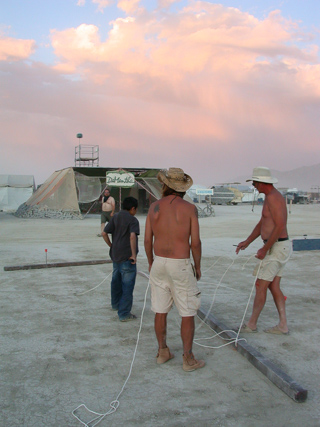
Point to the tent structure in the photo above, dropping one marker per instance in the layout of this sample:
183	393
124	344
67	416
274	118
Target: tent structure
70	192
14	190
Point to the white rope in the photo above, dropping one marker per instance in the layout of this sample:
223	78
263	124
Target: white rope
82	293
231	340
236	340
114	405
246	309
217	287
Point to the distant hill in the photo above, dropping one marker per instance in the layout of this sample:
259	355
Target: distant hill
303	178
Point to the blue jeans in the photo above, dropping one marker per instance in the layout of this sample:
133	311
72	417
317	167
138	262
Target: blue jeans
122	285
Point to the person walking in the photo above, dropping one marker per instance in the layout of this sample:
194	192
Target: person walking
274	253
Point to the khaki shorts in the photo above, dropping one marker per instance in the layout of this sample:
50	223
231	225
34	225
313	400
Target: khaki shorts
173	280
105	216
275	260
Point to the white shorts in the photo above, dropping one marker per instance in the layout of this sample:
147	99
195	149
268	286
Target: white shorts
275	260
174	280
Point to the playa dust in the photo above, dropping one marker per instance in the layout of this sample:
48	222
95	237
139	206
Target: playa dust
60	348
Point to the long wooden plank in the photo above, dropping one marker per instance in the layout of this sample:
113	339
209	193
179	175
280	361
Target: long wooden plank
283	381
56	264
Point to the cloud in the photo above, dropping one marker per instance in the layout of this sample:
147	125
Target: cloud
129	6
15	49
178	57
209	88
165	4
102	4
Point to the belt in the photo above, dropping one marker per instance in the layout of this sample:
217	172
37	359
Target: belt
281	239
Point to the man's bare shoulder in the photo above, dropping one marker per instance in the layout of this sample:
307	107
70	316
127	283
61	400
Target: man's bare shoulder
154	207
275	196
275	201
189	208
165	202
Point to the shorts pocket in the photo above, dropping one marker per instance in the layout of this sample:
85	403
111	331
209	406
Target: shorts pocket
193	299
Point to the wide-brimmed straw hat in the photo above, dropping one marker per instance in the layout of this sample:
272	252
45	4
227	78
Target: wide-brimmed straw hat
262	174
176	179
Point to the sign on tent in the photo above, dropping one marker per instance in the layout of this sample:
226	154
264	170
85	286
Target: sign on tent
120	179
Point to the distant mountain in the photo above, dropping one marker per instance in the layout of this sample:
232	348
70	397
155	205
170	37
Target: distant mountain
304	178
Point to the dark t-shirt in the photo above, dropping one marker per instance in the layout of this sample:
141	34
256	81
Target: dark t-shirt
120	226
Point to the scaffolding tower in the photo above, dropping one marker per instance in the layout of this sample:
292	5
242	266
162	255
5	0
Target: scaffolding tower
86	155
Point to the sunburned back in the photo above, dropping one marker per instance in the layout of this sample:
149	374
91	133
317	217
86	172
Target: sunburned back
274	212
171	225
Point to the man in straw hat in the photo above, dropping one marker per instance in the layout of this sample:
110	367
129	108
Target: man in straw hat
275	252
172	229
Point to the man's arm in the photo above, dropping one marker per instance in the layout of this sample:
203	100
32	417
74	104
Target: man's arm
148	241
133	245
106	238
253	236
113	204
196	242
108	229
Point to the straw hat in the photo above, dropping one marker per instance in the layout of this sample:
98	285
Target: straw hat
176	179
262	174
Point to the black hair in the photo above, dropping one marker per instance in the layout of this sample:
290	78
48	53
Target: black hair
129	202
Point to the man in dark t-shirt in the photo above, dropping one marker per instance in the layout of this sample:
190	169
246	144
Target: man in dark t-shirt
124	228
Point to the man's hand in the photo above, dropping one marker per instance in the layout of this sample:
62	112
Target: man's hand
112	213
261	253
242	246
198	273
133	259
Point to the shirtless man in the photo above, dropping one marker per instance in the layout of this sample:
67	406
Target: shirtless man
276	251
108	206
172	229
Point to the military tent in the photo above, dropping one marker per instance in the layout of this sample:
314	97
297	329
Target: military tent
71	192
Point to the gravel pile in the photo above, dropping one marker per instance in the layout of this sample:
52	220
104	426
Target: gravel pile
25	211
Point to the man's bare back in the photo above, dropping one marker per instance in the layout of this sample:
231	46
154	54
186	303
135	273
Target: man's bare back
170	220
172	229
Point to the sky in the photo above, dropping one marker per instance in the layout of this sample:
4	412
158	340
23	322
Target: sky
215	88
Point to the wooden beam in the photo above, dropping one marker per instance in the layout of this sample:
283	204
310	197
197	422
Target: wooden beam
269	369
56	264
264	365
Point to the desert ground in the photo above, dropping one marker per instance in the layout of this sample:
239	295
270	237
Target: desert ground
62	345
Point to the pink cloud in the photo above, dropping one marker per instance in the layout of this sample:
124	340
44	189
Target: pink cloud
129	6
102	4
15	49
209	89
203	38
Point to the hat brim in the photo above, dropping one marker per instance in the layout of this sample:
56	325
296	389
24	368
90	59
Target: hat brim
180	186
264	179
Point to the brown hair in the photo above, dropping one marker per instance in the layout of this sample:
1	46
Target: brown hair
167	191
